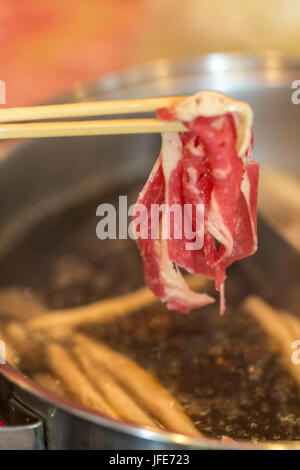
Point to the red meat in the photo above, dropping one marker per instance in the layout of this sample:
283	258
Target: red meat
205	169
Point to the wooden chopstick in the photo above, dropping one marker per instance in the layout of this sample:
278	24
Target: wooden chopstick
80	128
94	108
18	128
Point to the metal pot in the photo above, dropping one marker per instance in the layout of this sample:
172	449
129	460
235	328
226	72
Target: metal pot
41	176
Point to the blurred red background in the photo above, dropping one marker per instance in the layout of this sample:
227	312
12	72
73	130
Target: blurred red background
47	45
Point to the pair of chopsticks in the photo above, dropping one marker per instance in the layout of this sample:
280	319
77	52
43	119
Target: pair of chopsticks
13	123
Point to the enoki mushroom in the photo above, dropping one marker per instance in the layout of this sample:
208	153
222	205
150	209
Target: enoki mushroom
115	386
63	365
281	327
143	386
20	304
17	335
103	311
94	374
113	393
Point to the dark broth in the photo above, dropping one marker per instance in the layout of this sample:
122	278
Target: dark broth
221	369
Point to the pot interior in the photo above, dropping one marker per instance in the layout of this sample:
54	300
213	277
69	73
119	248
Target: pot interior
222	370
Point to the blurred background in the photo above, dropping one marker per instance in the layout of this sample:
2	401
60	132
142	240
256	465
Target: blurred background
47	46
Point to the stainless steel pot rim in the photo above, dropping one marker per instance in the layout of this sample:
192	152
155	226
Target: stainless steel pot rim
82	412
209	63
212	63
